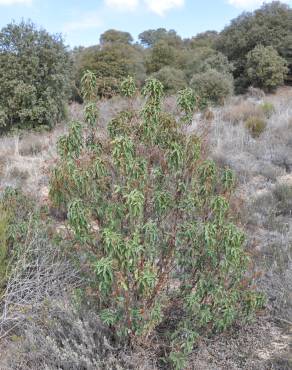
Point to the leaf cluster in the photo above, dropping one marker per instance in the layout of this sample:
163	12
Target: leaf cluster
165	245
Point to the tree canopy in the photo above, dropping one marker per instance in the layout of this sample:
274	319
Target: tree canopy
271	25
34	76
265	68
115	37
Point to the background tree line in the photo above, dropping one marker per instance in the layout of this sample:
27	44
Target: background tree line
38	74
254	49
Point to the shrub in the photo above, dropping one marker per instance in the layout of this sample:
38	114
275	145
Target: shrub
265	68
34	77
172	79
268	26
111	63
283	195
212	86
218	62
161	55
31	145
196	59
69	339
33	267
241	112
268	109
4	256
165	248
107	87
256	126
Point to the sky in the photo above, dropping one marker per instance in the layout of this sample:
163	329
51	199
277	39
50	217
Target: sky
82	21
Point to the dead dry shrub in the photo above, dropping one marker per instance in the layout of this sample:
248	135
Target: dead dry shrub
36	270
18	174
283	195
241	112
208	115
65	338
31	145
40	274
256	93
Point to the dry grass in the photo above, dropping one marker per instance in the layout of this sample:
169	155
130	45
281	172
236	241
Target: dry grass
264	170
69	339
255	125
261	345
25	158
241	112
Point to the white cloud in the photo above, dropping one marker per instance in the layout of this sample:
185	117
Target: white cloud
122	4
87	21
14	2
160	7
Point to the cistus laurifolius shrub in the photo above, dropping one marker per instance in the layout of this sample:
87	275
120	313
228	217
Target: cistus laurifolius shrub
34	77
153	215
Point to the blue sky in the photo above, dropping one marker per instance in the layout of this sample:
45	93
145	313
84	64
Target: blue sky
82	21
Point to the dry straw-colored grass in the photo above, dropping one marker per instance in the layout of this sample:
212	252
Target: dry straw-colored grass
261	163
264	170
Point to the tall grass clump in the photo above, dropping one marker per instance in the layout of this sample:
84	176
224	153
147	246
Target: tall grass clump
151	213
256	126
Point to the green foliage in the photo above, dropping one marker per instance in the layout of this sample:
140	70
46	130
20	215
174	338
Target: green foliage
268	26
265	68
187	102
151	37
161	55
71	144
110	63
128	87
172	79
89	82
3	246
218	62
34	77
115	37
196	59
255	125
165	241
205	39
212	86
268	109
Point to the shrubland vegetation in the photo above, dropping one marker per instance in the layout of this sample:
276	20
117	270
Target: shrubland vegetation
269	26
34	77
254	50
160	217
165	245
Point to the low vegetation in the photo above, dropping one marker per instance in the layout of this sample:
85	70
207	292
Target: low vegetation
255	125
166	247
212	86
153	231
